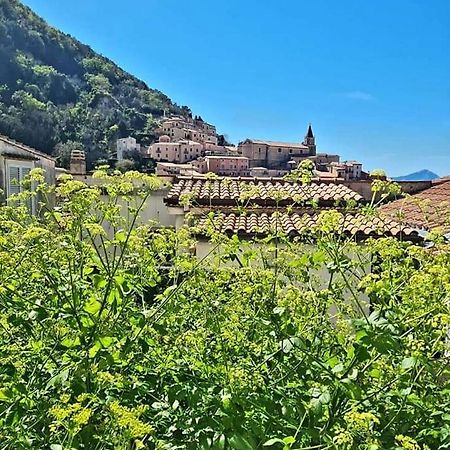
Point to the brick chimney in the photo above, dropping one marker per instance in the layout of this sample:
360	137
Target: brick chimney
78	162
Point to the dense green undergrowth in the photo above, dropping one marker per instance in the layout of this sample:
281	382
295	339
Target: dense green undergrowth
114	335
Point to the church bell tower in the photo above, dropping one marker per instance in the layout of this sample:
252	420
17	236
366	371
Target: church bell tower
310	141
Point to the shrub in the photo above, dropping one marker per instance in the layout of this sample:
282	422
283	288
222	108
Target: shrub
114	336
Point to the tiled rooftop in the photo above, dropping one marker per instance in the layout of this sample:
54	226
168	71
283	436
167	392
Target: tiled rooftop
258	191
428	209
277	143
261	224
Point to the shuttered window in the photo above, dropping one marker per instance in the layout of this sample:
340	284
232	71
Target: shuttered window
16	174
13	180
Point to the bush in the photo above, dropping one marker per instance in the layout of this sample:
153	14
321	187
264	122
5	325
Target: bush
116	337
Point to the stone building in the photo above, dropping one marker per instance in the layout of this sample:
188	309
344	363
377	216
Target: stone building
126	145
178	128
268	158
175	152
167	169
231	166
277	155
347	170
323	160
16	162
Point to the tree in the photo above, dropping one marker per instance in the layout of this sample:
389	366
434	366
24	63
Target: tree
125	165
59	90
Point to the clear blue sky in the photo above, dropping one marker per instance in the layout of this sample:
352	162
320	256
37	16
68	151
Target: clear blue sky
372	76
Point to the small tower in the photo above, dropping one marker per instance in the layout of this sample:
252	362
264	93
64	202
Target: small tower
78	162
310	141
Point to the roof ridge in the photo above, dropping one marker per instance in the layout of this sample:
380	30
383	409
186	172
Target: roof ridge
25	146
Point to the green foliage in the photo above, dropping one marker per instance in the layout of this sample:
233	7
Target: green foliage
125	165
55	90
115	336
378	173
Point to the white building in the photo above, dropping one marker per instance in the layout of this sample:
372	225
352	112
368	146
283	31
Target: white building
126	145
16	162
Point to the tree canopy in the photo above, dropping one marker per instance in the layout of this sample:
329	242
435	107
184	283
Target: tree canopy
54	89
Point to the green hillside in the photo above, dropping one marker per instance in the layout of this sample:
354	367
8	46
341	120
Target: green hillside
57	93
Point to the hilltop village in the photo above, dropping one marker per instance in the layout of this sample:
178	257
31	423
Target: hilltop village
188	149
191	146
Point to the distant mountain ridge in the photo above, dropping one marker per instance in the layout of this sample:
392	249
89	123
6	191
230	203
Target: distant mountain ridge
421	175
57	93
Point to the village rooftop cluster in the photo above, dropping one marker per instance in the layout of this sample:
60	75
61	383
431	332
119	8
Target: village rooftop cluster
190	146
273	202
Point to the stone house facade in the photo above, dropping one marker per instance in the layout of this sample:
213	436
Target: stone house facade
176	152
126	145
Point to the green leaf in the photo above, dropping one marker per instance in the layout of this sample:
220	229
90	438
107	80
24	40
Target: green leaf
56	447
324	398
360	335
333	361
119	279
94	349
99	281
4	395
70	342
106	341
407	363
239	442
121	236
288	343
273	441
289	440
59	378
220	443
92	306
339	368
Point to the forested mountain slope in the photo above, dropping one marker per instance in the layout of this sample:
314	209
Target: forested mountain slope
57	93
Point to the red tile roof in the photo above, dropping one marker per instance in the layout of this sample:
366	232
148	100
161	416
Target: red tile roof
429	209
264	223
258	191
277	143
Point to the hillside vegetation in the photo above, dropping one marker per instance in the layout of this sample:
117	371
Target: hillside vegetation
57	93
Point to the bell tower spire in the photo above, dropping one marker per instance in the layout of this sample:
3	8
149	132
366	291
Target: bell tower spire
310	141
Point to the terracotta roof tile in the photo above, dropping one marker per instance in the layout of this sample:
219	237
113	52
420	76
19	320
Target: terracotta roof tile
277	143
264	192
262	223
428	209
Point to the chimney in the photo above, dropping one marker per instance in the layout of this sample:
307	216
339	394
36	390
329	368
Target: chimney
78	162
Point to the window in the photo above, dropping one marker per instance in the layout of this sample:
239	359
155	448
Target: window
279	150
290	150
16	173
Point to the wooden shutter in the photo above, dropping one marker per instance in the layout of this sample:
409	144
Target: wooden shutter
13	180
25	171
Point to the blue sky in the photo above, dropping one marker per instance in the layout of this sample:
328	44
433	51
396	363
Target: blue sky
373	77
